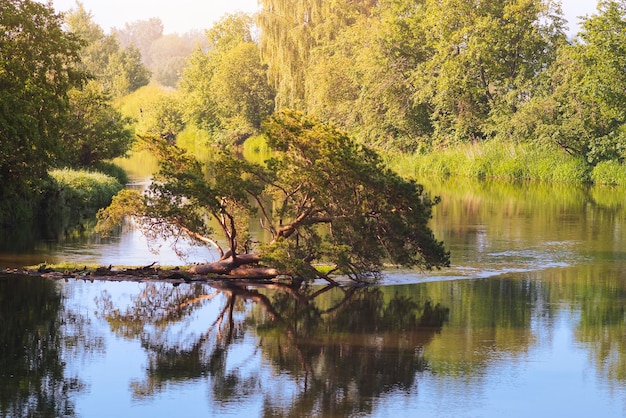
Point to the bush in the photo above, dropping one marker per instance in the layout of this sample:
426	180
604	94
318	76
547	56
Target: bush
609	173
113	170
82	192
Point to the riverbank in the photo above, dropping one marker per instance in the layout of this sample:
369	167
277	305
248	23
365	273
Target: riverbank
507	162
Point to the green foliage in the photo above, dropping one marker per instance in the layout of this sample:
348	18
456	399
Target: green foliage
609	172
226	87
321	197
37	69
350	81
478	60
119	71
373	213
83	192
290	31
112	170
163	116
132	104
94	131
126	203
581	104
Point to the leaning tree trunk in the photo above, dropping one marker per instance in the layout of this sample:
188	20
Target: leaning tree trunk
239	266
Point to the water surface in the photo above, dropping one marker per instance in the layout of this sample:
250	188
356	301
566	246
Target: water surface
529	321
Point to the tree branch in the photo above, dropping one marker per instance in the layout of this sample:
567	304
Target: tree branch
271	228
201	238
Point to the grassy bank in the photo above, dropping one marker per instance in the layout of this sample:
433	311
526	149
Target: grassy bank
508	161
79	193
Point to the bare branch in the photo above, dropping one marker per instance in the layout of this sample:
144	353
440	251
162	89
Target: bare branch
270	228
202	238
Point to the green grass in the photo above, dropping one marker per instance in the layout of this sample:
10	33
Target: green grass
82	192
495	160
609	173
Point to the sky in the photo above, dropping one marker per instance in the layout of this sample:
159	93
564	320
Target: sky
177	15
184	15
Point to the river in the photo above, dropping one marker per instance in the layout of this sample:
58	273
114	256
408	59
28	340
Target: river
530	320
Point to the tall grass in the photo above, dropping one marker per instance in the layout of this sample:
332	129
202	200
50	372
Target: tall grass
495	160
81	193
609	173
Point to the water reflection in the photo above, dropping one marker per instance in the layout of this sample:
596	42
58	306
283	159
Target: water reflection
36	335
530	321
341	348
445	348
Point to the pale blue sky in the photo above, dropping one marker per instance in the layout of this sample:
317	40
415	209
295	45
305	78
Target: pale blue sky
183	15
177	15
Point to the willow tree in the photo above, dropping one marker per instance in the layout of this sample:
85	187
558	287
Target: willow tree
321	198
291	30
357	81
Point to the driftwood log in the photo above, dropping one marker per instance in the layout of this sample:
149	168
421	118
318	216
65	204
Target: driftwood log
218	271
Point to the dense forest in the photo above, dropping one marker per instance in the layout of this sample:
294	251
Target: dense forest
403	77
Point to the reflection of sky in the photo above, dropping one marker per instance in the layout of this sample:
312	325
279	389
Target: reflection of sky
132	249
129	249
553	378
110	374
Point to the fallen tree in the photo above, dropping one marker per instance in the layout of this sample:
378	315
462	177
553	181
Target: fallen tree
321	198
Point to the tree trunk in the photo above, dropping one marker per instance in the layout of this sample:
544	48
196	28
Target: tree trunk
240	266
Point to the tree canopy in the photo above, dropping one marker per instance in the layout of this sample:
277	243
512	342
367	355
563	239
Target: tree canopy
398	71
227	89
321	198
119	70
38	66
94	130
580	104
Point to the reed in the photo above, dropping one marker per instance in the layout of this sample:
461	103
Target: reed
494	160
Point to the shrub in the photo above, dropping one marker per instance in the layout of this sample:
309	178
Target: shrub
609	172
113	170
82	192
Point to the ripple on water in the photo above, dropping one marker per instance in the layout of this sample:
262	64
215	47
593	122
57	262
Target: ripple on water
550	255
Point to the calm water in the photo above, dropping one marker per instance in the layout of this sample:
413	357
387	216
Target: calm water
529	321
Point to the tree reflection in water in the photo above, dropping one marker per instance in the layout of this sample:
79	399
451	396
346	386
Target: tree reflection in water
39	336
337	348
